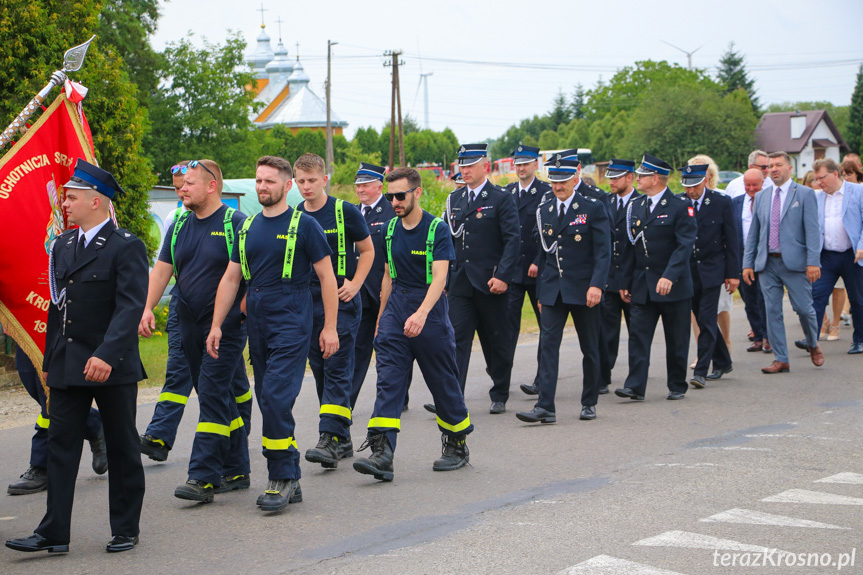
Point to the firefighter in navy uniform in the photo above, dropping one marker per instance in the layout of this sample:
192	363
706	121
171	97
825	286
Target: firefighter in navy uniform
714	265
346	230
483	220
527	192
574	235
98	274
656	278
377	213
582	187
620	174
275	253
414	324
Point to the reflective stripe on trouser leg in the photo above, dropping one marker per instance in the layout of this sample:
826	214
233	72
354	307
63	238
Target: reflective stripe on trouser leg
334	375
178	384
242	391
42	422
279	324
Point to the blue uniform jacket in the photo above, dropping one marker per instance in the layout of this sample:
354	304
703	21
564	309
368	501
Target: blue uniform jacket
619	240
377	221
528	250
485	238
583	253
664	240
717	251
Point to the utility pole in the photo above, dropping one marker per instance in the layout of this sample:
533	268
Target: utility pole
396	100
329	159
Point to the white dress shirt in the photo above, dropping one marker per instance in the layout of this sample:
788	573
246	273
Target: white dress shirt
475	191
566	203
835	237
623	200
746	215
89	235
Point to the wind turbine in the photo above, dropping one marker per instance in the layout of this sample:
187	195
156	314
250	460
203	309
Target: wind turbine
688	54
425	84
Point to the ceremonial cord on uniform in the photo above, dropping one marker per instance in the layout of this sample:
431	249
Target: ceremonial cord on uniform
632	240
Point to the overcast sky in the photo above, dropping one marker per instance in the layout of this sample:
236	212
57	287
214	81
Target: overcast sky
496	62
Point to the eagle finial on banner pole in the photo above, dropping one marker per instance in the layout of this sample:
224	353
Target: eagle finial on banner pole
73	59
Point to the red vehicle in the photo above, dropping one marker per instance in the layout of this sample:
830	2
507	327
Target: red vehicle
438	170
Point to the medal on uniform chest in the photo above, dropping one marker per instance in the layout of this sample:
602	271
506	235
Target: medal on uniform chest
637	223
478	215
551	232
578	237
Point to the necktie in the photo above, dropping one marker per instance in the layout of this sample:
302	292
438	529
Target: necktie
751	205
695	204
562	212
773	244
366	211
619	205
79	249
521	194
472	196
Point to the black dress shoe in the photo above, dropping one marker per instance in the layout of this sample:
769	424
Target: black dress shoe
537	415
719	372
675	395
698	381
855	349
430	407
37	543
603	390
100	453
497	407
529	389
588	412
801	344
119	543
34	480
626	392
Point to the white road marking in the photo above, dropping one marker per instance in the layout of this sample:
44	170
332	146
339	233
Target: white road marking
688	540
737	448
849	478
607	565
792	436
685	465
747	517
7	518
806	496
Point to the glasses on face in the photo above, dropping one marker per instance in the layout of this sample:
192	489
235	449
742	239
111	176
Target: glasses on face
400	196
641	176
821	178
193	164
762	167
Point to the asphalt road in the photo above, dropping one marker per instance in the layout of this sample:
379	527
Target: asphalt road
752	463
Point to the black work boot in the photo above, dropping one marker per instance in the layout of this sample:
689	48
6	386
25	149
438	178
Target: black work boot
100	453
454	453
154	448
279	493
195	490
326	452
34	480
235	483
346	448
380	462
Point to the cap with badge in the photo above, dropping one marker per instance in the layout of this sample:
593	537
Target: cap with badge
469	154
561	169
653	165
525	154
89	177
693	175
456	177
571	154
369	173
617	168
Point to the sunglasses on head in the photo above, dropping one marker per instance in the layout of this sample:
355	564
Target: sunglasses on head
400	196
193	164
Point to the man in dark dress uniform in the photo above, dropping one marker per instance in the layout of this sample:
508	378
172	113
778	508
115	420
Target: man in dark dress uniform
483	220
575	239
91	352
527	192
714	265
620	175
656	278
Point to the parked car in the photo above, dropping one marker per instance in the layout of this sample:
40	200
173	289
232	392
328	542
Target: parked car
726	176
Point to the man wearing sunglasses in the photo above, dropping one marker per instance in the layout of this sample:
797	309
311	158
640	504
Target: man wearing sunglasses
758	161
346	230
414	324
483	220
197	254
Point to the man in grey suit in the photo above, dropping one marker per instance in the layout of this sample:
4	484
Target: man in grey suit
784	247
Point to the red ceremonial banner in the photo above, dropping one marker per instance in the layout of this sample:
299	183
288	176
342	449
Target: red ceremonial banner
32	174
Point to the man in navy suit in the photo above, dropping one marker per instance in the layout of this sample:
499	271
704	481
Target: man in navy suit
784	247
753	300
656	278
840	211
575	238
714	265
483	220
620	175
527	193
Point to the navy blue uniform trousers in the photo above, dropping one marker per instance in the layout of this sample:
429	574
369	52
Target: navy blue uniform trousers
711	345
221	445
675	323
515	303
280	328
363	350
435	353
334	375
753	301
833	266
610	309
587	323
39	445
178	386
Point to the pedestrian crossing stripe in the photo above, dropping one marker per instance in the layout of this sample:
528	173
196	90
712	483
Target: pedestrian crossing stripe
847	478
817	497
607	565
688	540
748	517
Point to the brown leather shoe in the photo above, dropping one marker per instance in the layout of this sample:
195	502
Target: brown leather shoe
817	355
776	367
767	347
756	346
